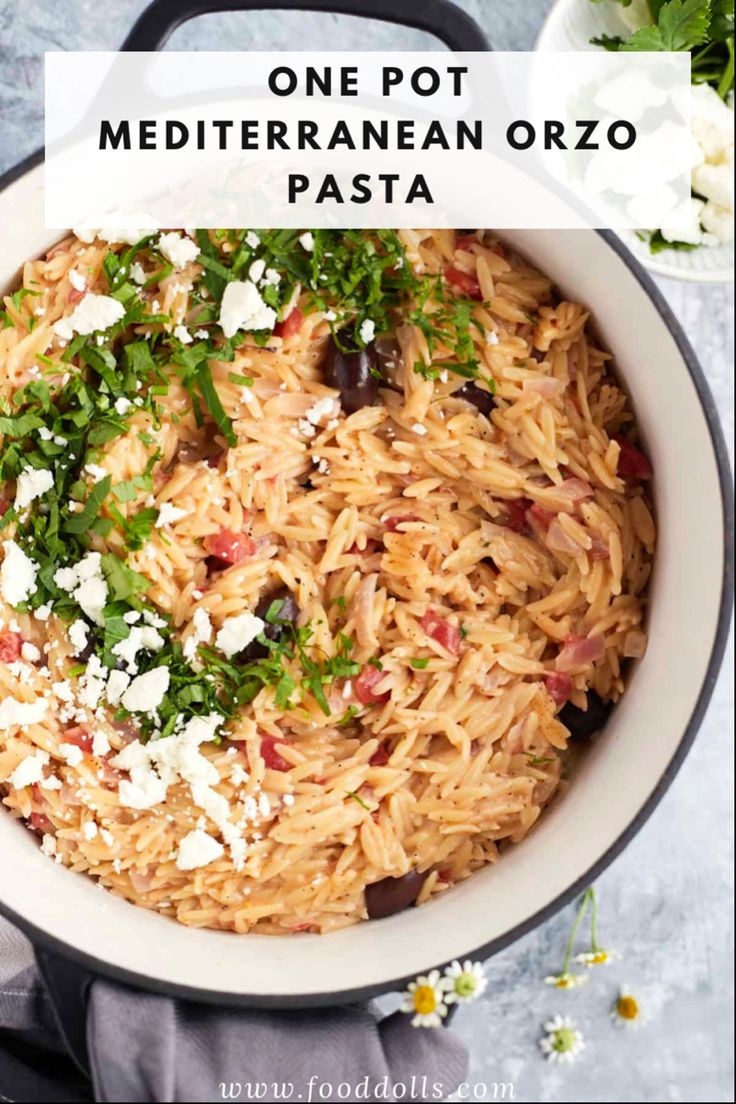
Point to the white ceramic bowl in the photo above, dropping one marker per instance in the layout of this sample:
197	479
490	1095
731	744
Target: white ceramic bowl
570	25
619	780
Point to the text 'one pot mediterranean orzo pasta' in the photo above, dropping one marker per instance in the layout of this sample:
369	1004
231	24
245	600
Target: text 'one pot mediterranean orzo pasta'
318	549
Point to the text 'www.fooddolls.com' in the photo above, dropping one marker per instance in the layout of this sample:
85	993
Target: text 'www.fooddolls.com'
367	1089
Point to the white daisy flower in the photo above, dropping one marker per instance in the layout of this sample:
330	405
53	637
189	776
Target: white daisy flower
563	1041
425	999
566	980
462	983
626	1010
598	957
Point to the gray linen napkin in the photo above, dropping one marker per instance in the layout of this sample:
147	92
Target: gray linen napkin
146	1047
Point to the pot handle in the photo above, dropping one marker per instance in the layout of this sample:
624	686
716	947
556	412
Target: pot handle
441	18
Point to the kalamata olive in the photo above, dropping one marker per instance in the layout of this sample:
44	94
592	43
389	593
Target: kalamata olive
392	895
481	399
585	723
351	374
289	611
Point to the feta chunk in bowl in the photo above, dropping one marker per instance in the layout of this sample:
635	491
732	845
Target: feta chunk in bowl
570	25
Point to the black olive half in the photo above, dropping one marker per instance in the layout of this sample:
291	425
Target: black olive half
392	895
352	375
482	400
584	723
288	611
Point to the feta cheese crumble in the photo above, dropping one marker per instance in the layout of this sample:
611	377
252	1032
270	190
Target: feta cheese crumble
30	770
86	584
97	472
202	633
17	574
707	218
198	849
94	312
48	845
181	333
306	240
238	632
242	308
140	638
146	691
79	635
123	236
117	683
367	330
178	250
169	514
77	279
71	754
321	409
29	652
32	483
256	270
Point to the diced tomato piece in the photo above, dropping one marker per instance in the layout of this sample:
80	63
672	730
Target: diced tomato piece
270	756
4	505
559	686
516	514
364	686
498	249
213	460
392	523
291	324
10	646
445	875
230	547
446	635
80	736
75	296
464	282
380	756
632	463
40	822
464	242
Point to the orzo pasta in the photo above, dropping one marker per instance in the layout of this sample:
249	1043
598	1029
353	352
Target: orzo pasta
317	549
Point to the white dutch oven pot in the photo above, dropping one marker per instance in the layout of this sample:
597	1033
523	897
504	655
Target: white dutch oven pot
620	778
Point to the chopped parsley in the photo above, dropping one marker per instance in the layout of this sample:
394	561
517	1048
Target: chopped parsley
356	797
84	399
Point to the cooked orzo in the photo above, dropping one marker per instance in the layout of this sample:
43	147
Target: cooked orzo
317	550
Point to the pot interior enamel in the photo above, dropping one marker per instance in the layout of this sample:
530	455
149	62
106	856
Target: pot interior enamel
613	783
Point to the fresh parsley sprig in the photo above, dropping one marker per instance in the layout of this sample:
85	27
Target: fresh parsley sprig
704	27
